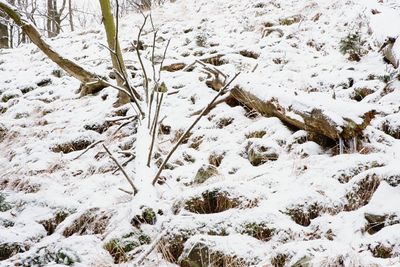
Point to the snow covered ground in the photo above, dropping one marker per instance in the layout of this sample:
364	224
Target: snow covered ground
244	190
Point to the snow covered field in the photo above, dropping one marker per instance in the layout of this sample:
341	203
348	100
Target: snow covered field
245	189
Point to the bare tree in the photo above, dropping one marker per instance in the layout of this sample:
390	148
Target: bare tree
115	50
71	16
90	80
4	33
54	17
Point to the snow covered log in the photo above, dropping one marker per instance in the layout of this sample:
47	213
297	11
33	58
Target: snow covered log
313	112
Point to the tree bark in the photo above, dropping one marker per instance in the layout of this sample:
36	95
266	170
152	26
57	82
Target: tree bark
49	18
71	16
113	44
4	34
91	80
311	119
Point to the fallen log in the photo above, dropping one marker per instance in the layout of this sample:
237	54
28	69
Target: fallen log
313	112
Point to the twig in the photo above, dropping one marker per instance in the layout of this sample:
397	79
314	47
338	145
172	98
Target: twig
126	152
121	119
129	160
173	92
130	90
163	58
146	81
190	128
88	148
125	163
154	128
151	247
121	126
125	191
216	103
122	170
126	92
154	70
255	67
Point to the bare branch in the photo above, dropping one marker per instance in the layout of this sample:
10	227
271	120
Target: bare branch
153	130
125	191
88	148
146	81
150	248
222	91
122	170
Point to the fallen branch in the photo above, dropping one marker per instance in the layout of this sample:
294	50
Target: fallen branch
125	191
216	103
153	129
302	113
135	190
150	248
221	92
120	119
125	163
88	148
121	126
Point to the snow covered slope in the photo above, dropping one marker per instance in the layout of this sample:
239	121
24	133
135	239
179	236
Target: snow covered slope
244	190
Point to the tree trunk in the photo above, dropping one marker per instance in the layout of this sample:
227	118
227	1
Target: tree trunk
71	16
4	33
113	44
49	18
91	80
54	24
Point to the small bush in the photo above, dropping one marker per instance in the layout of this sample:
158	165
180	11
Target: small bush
352	45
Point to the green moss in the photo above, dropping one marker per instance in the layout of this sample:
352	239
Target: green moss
144	239
4	205
66	257
149	216
118	249
7	96
6	223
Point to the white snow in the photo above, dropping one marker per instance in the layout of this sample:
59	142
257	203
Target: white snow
303	69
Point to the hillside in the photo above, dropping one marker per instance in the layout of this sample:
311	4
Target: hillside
299	167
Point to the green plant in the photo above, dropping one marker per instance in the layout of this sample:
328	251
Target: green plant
4	205
66	257
352	44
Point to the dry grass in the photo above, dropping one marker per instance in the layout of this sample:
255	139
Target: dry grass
361	193
211	202
90	222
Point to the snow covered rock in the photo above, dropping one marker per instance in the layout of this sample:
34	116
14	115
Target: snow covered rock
204	173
